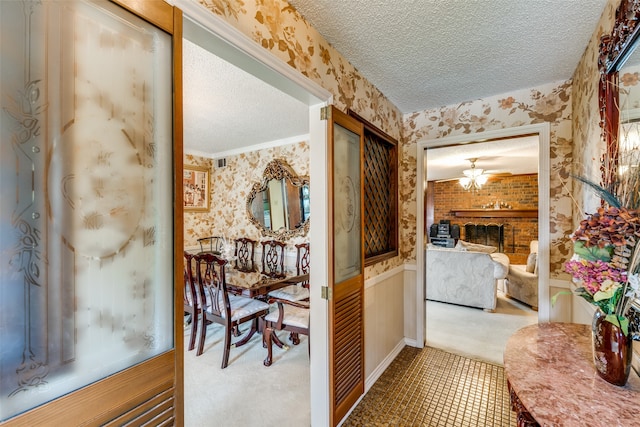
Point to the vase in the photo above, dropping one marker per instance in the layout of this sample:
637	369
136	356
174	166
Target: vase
612	350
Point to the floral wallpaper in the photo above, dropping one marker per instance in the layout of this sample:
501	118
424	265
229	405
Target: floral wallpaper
549	103
629	88
588	146
230	186
279	28
571	107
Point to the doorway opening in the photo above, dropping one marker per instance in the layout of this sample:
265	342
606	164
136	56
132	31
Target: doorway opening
463	144
229	44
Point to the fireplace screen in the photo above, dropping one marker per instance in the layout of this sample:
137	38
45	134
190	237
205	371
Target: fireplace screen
485	234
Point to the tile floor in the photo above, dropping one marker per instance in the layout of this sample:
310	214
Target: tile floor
430	387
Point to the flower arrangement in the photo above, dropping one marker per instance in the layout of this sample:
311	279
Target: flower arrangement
606	262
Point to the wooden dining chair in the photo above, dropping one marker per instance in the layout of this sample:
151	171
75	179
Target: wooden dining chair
221	307
244	254
211	244
273	253
296	291
292	316
190	298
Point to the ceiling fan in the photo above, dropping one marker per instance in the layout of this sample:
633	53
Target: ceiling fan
475	177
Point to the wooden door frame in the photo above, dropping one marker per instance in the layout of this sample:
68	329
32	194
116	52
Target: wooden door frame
160	379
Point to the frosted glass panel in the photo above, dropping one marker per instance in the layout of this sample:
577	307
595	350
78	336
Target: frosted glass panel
86	216
346	216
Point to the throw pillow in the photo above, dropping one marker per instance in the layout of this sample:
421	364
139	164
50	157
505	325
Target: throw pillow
431	246
531	263
475	247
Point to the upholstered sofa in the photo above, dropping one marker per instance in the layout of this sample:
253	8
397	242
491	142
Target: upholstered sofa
522	280
464	277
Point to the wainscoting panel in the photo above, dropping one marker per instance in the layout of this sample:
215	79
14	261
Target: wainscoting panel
384	315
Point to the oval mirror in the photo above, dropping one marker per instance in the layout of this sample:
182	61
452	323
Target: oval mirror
279	204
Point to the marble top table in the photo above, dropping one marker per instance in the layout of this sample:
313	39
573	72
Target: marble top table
549	367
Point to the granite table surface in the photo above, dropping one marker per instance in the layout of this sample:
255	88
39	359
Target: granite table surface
550	368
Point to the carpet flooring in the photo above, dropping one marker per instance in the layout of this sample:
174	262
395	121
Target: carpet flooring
431	387
421	387
475	333
246	393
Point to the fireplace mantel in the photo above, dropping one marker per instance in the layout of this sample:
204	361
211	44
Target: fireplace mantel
495	213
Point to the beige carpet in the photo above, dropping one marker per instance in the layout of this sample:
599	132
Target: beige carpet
473	332
246	393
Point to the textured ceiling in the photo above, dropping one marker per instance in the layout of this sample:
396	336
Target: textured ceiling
227	109
424	54
420	54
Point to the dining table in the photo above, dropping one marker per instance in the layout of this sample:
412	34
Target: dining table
256	284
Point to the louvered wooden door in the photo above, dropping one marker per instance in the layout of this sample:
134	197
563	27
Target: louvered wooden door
346	278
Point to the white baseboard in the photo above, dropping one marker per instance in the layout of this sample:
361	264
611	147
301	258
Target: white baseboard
373	377
411	342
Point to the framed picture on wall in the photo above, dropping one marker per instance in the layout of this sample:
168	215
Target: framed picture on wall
195	185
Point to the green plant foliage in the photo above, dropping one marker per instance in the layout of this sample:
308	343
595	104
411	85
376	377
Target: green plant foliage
593	253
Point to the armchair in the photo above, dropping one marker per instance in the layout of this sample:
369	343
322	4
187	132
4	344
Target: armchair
211	244
521	282
296	291
292	316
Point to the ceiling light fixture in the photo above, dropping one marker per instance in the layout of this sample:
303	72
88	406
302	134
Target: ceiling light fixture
474	178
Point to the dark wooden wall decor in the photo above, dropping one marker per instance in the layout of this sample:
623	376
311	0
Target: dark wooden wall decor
614	49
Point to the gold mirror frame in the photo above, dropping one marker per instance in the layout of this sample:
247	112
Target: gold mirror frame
277	169
615	48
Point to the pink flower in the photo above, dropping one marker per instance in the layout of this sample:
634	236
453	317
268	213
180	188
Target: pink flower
593	274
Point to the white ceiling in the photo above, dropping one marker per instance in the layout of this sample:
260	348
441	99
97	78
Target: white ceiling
227	110
514	156
420	54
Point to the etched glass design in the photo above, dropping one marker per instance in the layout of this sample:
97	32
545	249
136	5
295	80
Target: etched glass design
86	242
346	215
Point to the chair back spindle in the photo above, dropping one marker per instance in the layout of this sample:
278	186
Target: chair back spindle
302	261
273	258
212	284
244	254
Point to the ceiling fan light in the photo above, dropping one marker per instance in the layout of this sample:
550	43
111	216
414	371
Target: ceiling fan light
465	183
482	179
472	173
474	178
